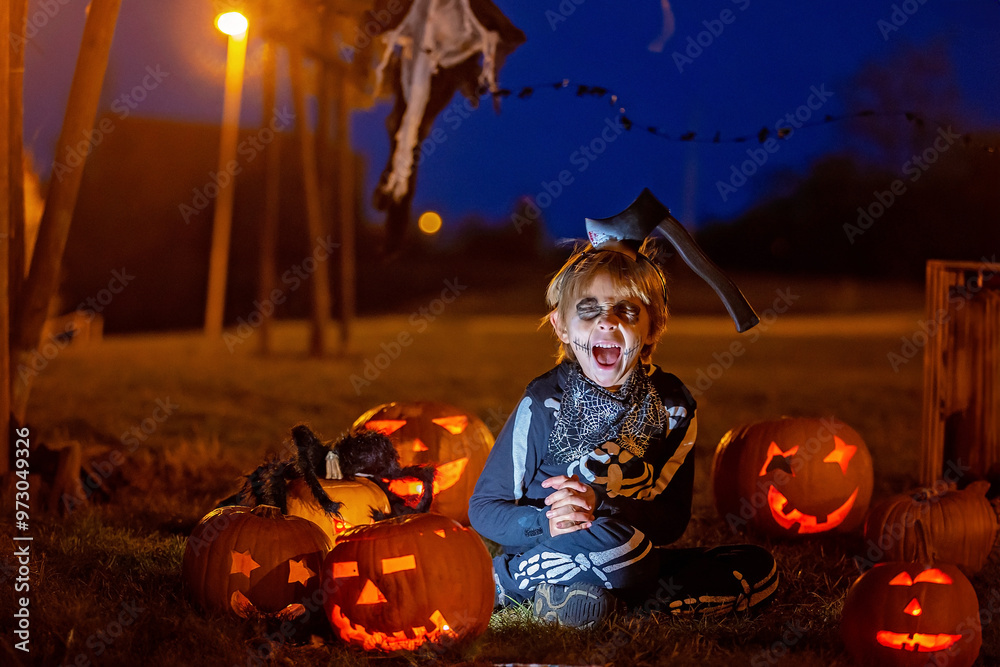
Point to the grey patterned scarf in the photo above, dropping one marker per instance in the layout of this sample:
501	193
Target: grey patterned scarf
590	416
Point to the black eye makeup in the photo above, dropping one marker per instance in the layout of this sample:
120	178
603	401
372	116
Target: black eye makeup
589	309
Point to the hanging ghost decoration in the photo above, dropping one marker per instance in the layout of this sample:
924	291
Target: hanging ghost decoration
438	47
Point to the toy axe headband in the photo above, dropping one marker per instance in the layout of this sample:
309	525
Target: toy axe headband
626	231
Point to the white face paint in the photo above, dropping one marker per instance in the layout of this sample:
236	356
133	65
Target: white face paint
606	331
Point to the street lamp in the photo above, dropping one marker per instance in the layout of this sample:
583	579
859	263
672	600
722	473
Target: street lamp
235	25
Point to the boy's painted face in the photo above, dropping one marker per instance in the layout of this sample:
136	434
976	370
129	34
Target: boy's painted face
606	331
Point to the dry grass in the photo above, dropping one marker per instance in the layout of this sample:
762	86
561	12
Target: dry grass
90	568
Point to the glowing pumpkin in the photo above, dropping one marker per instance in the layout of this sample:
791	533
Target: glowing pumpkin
793	476
359	498
253	561
455	441
401	582
911	615
942	523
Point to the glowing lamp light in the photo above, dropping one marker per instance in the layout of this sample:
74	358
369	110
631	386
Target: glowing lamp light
233	24
429	222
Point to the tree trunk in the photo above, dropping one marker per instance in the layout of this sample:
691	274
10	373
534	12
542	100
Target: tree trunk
6	239
272	194
347	214
18	16
314	213
81	110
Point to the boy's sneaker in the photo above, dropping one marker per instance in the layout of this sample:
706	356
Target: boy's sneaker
578	605
502	599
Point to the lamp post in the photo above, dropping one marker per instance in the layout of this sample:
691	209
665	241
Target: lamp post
235	25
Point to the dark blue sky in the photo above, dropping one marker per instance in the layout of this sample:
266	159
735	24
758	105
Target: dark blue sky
764	64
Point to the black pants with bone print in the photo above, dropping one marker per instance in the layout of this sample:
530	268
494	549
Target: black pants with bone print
614	555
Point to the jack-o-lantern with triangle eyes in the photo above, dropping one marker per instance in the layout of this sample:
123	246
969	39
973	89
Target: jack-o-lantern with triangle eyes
911	615
455	441
254	561
793	476
399	583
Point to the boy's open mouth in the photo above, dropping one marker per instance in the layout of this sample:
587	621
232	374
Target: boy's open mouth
606	354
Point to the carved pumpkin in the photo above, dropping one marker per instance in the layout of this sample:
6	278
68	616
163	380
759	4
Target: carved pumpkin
911	615
401	582
253	561
455	441
359	498
946	525
793	476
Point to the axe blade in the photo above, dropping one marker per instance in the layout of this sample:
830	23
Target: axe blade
645	214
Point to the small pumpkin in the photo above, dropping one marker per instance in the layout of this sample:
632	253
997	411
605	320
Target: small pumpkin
793	476
399	583
358	498
958	527
253	561
457	442
911	615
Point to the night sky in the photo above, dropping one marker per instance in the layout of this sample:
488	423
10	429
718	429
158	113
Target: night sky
766	61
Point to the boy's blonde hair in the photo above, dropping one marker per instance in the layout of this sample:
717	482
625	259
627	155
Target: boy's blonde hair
638	278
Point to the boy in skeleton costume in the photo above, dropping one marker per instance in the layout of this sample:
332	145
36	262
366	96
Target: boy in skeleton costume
595	470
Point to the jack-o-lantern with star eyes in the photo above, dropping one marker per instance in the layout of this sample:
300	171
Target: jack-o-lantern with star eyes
793	476
254	561
399	583
911	615
455	441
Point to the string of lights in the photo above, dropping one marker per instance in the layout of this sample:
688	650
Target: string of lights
691	136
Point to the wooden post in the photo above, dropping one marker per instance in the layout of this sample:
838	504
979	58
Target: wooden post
81	111
314	213
6	237
18	16
961	411
348	215
272	193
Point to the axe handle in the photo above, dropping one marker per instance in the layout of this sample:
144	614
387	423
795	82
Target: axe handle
736	304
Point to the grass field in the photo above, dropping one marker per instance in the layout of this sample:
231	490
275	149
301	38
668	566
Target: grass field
223	412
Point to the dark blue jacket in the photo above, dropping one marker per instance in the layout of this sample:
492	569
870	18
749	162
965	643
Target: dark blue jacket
652	493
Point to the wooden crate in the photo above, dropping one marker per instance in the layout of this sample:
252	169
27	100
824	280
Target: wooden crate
961	410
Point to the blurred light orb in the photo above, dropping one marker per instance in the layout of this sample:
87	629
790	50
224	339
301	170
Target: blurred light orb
429	222
233	24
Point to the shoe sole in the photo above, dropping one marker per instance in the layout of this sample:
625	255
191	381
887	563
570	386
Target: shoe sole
575	607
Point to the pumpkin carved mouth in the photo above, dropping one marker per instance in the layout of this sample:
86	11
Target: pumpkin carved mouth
916	641
808	523
399	640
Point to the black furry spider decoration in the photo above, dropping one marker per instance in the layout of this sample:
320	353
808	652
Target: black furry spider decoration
368	454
